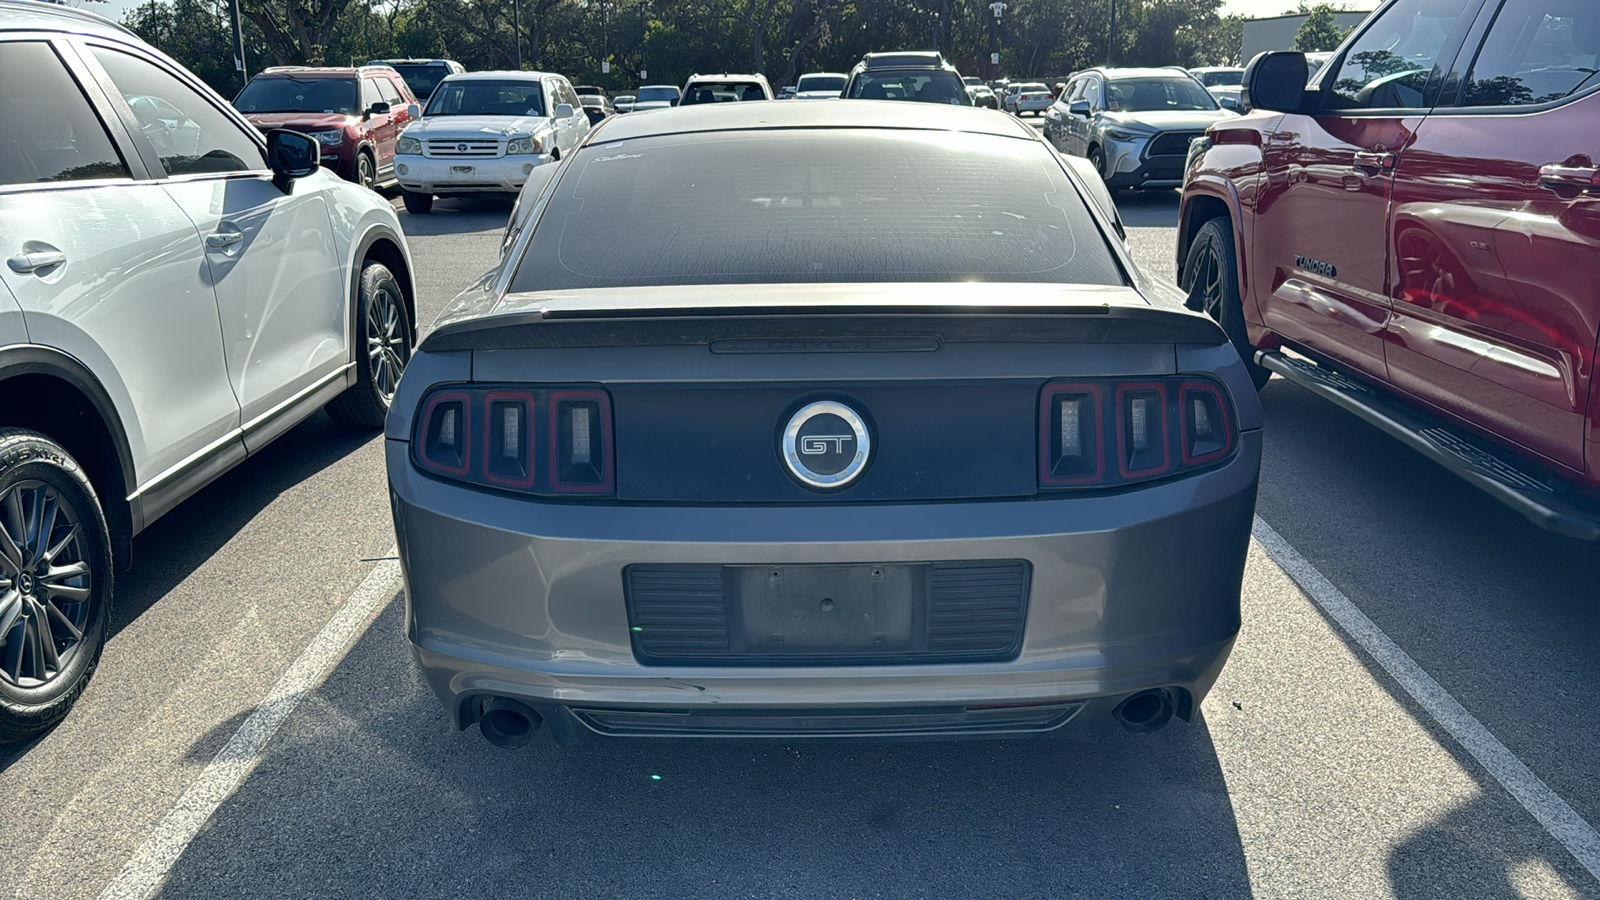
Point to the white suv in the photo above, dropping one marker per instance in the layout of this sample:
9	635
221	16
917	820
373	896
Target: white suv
485	132
175	292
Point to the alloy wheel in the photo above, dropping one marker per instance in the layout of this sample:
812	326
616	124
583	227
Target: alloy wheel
387	349
1205	288
364	170
46	584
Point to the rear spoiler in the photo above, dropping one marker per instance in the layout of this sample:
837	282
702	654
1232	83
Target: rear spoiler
942	324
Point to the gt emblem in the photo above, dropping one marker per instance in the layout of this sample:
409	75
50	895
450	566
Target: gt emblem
818	444
826	445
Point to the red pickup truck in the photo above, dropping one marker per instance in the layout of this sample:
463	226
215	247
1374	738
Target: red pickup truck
1415	235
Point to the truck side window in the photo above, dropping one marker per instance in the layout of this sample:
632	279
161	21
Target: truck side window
1536	54
1388	66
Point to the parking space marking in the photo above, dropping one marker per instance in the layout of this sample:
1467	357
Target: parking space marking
145	871
1558	818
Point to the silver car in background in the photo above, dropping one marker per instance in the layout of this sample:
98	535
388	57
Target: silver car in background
484	132
926	460
1133	125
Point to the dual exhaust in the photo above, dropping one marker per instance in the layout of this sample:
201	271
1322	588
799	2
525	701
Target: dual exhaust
510	724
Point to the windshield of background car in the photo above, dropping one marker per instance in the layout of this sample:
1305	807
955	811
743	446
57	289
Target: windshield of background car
487	98
649	95
422	79
1223	79
722	92
815	205
923	85
834	83
284	93
1156	95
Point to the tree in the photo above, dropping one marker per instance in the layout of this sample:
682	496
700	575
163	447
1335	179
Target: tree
1320	31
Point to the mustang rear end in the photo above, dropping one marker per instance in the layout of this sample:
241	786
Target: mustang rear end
830	509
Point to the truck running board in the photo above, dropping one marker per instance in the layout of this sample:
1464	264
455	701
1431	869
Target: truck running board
1540	495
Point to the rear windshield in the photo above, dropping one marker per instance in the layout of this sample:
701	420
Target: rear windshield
1157	94
281	93
927	86
1224	78
422	79
722	92
487	98
815	206
649	94
833	83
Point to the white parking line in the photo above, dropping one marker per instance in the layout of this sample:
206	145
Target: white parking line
148	868
1558	818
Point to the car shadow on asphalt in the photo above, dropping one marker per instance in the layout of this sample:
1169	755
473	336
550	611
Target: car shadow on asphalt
180	542
1498	612
459	214
1148	209
368	791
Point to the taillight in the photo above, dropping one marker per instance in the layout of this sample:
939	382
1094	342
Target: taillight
1104	433
513	437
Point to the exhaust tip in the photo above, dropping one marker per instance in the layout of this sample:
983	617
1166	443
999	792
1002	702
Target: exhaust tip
508	723
1145	711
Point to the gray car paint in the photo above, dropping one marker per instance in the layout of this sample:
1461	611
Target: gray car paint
512	596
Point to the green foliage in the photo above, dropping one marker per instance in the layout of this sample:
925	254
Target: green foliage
670	39
1320	31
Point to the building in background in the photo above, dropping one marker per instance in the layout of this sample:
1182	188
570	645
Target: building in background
1277	32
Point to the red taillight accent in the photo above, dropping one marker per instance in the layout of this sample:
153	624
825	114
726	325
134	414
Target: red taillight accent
1058	468
1208	440
487	435
1142	446
1156	427
595	472
444	435
508	438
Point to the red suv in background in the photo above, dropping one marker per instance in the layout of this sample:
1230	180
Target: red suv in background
356	114
1415	235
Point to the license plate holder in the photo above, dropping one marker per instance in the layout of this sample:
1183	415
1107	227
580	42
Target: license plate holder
827	610
461	170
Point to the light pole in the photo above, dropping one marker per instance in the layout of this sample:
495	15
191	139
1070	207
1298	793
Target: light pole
516	29
997	8
1111	39
238	44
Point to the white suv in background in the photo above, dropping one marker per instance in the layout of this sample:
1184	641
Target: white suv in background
175	292
484	132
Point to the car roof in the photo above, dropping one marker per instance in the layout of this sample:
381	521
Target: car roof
825	74
882	114
1152	72
726	76
329	71
499	75
905	59
32	15
1199	70
413	62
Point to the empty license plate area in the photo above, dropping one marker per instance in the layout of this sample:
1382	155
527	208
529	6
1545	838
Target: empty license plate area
827	609
772	615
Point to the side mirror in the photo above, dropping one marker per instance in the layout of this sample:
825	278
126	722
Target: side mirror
291	155
414	110
377	109
1229	103
1079	108
1276	81
564	110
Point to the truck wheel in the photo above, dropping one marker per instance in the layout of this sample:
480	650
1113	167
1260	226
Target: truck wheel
417	204
1211	276
383	342
366	170
55	583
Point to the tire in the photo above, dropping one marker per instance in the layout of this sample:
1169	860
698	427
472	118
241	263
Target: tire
55	602
1098	158
383	342
417	204
366	170
1211	276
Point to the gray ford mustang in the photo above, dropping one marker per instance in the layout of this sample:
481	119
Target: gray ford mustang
876	432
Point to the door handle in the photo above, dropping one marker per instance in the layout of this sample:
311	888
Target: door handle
1570	176
222	240
28	263
1381	160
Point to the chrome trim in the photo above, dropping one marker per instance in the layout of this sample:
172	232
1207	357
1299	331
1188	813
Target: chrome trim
792	449
31	186
236	434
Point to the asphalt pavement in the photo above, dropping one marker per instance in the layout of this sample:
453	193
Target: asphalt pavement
1322	766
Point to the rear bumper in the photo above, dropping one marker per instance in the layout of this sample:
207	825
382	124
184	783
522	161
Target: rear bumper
513	597
506	174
